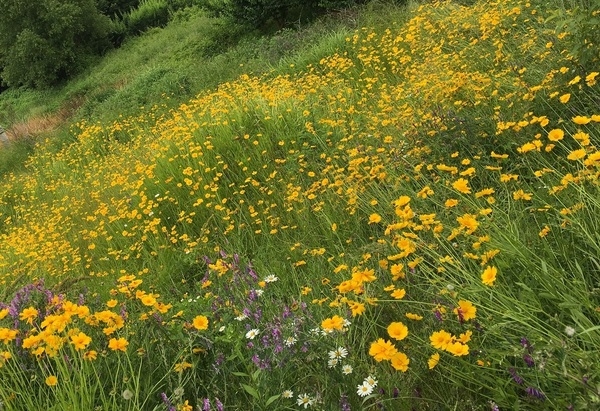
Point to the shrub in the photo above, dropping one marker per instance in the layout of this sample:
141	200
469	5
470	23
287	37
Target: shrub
45	42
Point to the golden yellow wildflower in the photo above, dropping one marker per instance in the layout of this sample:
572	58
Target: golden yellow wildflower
489	275
397	330
440	339
466	310
400	361
556	134
382	350
200	322
433	360
462	186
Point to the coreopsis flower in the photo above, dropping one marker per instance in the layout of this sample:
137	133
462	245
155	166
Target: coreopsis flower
556	134
397	330
382	350
576	154
51	381
440	339
433	361
400	362
462	186
466	310
200	322
334	323
457	349
80	341
489	275
118	344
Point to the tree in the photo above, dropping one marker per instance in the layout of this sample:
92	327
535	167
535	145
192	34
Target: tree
45	41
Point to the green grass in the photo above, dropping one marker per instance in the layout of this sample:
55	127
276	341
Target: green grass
230	233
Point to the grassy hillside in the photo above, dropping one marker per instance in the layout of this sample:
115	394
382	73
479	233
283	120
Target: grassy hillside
397	216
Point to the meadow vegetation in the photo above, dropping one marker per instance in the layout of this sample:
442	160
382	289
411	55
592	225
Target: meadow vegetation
402	215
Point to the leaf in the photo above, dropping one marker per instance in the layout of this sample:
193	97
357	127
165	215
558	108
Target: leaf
250	390
240	374
270	400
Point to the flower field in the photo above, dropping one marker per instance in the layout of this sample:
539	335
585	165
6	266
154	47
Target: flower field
410	223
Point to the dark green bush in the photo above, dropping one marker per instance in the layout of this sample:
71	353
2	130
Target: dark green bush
46	41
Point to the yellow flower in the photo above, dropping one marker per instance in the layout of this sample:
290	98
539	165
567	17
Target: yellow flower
400	361
465	337
576	154
457	349
466	310
28	315
374	218
200	322
399	293
334	323
51	381
182	366
80	341
581	120
468	222
440	339
556	134
111	303
7	335
382	350
148	300
565	98
185	406
356	308
521	195
90	355
412	316
462	186
397	271
451	202
489	275
118	344
3	313
397	331
433	360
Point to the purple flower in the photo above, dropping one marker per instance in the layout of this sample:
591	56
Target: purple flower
219	405
534	392
206	404
516	378
167	402
528	360
344	404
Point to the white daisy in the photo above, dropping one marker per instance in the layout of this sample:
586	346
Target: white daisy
305	400
371	381
332	362
347	369
364	389
270	278
287	394
241	317
252	333
338	353
290	341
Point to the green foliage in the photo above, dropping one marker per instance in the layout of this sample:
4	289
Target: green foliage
45	42
149	13
113	8
581	20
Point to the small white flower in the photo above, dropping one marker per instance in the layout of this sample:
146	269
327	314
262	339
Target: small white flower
371	381
347	323
222	328
338	353
450	287
270	278
287	394
241	317
315	331
290	341
305	400
252	333
570	331
346	369
364	389
332	362
127	395
259	292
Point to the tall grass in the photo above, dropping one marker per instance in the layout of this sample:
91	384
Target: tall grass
407	221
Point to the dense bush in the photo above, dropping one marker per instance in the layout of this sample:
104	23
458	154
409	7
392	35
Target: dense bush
44	42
